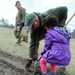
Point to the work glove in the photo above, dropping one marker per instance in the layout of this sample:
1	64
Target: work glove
23	24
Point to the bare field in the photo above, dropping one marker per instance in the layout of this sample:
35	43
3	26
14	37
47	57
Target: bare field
7	44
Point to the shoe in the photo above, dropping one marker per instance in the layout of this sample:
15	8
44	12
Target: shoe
45	73
53	73
27	67
48	73
17	43
25	40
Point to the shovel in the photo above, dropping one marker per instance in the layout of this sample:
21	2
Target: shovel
36	67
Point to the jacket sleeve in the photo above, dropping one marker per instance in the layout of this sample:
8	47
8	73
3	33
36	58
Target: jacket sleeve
33	43
23	15
47	45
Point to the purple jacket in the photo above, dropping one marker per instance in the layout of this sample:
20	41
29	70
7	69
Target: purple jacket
57	47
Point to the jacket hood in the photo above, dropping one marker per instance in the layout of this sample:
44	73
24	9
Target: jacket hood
63	32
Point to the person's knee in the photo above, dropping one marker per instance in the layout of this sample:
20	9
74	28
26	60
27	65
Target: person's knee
42	61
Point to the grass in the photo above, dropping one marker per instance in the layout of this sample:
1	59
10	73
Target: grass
7	43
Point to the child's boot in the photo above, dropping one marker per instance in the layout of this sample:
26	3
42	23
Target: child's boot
45	73
53	73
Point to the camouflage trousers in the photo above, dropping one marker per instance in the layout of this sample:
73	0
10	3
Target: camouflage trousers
17	32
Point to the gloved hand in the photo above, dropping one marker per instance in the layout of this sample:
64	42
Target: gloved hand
23	24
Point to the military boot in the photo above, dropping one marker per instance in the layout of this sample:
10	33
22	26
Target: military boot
28	64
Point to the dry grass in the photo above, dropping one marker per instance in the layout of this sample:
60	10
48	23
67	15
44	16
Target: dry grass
7	42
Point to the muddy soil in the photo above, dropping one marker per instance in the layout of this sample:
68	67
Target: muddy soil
12	64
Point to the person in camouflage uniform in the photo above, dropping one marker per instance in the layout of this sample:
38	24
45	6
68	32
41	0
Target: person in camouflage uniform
20	20
34	23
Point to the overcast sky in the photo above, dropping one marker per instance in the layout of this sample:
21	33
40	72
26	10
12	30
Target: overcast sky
8	9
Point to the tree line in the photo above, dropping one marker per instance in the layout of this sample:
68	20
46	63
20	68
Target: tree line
5	23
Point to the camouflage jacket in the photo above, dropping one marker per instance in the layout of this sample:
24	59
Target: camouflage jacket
20	17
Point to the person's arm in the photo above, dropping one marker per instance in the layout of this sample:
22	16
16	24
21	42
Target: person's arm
23	16
33	43
48	44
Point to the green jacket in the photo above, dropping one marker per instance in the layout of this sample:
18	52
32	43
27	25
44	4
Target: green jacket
39	33
59	12
20	17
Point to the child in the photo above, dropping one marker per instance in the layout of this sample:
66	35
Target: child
56	50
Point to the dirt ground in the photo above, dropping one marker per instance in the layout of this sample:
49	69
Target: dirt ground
12	65
10	61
